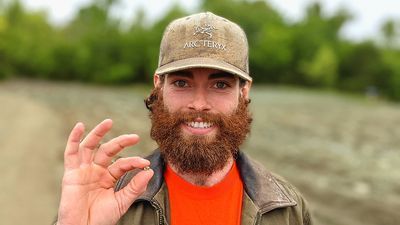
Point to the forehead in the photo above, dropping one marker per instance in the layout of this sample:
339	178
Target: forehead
208	73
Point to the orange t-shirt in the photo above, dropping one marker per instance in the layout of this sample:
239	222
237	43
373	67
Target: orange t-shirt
220	204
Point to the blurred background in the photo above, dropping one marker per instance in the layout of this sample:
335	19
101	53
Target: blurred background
325	99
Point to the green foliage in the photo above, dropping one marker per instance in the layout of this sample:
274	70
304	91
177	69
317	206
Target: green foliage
25	42
362	66
271	54
389	32
95	47
321	70
315	41
391	59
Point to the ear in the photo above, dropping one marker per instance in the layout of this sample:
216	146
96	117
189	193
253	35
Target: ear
245	90
156	80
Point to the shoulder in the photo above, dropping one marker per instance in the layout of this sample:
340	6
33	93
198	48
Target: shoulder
289	187
302	210
270	191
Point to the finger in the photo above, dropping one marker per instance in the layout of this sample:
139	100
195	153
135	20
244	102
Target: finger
89	144
108	150
123	165
71	156
135	187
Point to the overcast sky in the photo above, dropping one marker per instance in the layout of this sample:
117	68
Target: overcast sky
369	14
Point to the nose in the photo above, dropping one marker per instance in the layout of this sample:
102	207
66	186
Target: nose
200	101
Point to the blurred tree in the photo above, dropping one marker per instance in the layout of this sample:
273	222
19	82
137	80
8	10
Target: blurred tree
4	61
26	41
94	47
271	54
391	59
391	56
311	37
92	42
153	37
362	66
389	32
321	70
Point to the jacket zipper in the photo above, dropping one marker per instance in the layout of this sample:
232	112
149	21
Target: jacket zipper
258	218
159	212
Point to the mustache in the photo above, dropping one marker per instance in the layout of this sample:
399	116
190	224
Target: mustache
186	117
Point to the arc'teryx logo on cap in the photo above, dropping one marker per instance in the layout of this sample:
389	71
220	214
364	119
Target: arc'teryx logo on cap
207	29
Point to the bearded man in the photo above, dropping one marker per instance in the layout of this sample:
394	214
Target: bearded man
200	117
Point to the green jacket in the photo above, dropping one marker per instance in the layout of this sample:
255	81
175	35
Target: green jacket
267	199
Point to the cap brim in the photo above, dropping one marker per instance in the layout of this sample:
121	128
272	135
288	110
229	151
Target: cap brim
201	63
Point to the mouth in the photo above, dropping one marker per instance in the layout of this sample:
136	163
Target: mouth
199	127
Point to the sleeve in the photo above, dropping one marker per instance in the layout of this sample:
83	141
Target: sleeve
307	219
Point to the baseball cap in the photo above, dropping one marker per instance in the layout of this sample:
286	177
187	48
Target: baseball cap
204	40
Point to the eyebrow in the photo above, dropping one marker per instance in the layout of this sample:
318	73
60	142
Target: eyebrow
181	73
221	75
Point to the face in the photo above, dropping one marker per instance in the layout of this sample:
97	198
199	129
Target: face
201	90
199	119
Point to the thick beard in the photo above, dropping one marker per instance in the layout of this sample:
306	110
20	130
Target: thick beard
198	155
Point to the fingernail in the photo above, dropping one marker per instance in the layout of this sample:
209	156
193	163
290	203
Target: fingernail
79	124
133	135
145	160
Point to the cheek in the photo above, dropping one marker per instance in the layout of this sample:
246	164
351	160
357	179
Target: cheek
226	105
173	101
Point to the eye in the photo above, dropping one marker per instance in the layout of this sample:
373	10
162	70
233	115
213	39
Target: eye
180	83
221	85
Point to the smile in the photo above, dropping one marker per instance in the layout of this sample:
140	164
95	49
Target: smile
199	128
199	125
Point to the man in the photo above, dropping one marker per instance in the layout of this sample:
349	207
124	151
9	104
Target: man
200	117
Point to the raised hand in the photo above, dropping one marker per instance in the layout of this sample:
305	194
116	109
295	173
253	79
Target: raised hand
88	195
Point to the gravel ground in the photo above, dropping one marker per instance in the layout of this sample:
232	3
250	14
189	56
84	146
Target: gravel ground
341	151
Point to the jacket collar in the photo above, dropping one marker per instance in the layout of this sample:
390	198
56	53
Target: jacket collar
260	185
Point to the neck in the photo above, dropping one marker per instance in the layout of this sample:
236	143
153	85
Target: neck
204	180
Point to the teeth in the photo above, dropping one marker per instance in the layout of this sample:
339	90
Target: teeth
199	124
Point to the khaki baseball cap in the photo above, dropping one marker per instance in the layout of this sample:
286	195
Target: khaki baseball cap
204	40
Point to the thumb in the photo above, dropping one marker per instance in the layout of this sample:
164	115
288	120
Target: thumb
134	189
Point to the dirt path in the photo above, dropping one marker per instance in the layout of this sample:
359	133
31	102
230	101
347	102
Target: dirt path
31	152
